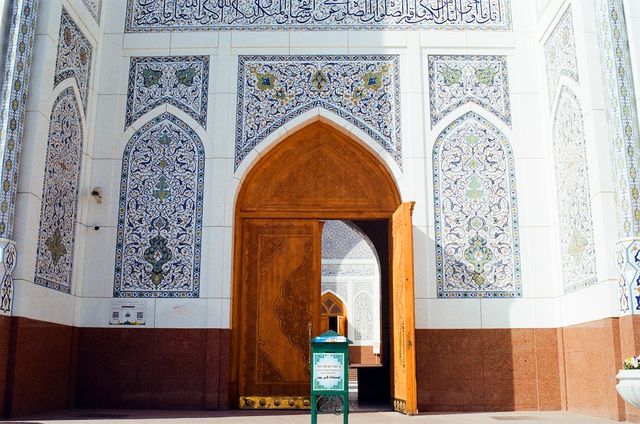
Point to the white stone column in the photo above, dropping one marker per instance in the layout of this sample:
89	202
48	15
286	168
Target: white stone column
622	120
17	69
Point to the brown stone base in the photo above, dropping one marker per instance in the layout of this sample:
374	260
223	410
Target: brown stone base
153	368
46	367
488	370
37	358
571	368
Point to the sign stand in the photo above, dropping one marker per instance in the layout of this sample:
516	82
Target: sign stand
330	375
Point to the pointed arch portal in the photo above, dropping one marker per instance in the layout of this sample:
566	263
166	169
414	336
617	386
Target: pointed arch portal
316	173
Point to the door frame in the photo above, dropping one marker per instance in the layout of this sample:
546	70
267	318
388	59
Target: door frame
385	200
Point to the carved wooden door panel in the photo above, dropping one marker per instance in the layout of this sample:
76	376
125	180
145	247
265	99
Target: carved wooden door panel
280	297
403	320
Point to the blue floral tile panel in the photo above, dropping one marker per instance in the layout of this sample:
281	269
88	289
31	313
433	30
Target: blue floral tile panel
74	56
182	81
159	236
56	237
476	214
364	90
455	80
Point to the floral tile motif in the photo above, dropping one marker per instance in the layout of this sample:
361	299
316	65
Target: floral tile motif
560	53
159	236
182	81
622	115
272	90
206	15
95	7
346	252
74	56
455	80
17	65
574	199
476	216
54	259
364	317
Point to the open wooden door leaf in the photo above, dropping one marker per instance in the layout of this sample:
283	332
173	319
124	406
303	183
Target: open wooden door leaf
403	317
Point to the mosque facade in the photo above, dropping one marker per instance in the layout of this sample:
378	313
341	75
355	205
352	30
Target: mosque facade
192	189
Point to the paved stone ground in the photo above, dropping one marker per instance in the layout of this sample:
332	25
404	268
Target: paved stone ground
262	417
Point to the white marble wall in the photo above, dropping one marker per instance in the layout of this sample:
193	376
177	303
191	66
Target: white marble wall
600	300
543	303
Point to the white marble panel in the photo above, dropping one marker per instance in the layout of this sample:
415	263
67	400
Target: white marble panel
114	81
507	313
32	156
448	313
533	192
211	284
592	303
541	276
27	222
99	254
42	67
423	266
32	301
181	313
109	126
113	16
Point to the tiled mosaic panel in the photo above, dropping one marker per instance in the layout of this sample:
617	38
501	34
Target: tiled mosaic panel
574	200
74	56
95	7
455	80
272	90
363	317
18	64
159	236
54	259
6	287
621	111
560	53
476	217
341	242
628	264
182	81
207	15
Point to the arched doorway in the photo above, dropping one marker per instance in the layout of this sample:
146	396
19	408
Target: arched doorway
333	314
316	173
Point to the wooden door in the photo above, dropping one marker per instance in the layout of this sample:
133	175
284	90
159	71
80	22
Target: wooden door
280	301
403	321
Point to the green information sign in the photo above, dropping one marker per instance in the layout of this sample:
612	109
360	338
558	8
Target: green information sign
329	375
328	371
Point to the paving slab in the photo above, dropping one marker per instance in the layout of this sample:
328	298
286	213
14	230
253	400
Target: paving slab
275	417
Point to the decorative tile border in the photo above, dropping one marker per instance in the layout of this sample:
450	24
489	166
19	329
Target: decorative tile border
622	117
159	237
574	199
364	90
476	214
455	80
56	237
182	81
16	84
205	15
9	256
560	53
95	7
74	56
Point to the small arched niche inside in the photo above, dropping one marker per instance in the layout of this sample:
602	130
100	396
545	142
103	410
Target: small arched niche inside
351	274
